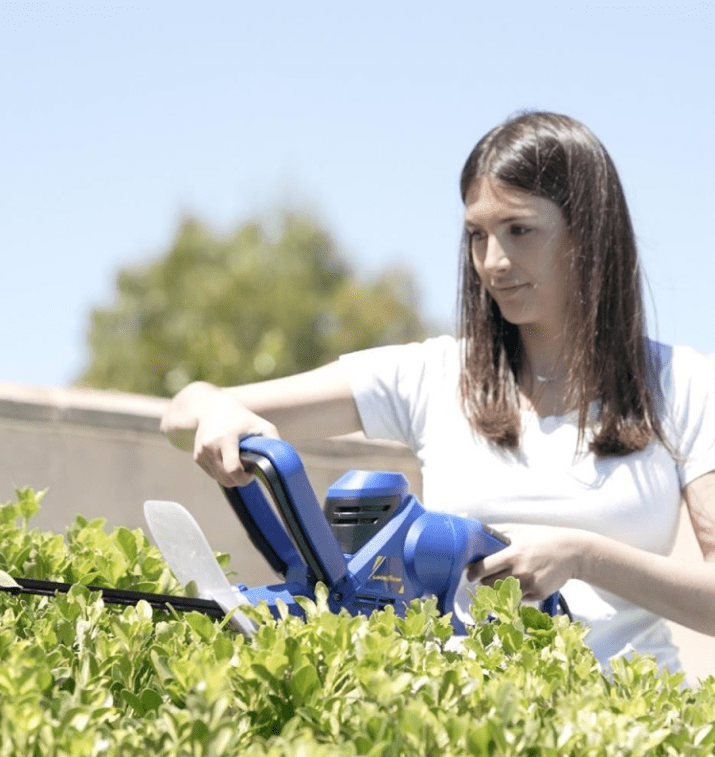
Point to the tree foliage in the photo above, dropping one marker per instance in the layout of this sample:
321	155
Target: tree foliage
251	306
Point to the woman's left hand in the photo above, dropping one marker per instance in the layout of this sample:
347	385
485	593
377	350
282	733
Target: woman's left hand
542	558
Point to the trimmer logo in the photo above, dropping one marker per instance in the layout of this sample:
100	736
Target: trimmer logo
389	571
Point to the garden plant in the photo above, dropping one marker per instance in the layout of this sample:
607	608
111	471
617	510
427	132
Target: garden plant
79	676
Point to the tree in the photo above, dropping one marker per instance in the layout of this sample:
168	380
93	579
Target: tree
243	308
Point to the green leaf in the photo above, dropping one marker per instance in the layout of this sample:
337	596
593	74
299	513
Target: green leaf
223	648
128	542
263	673
304	682
509	593
150	700
199	731
29	502
535	620
134	702
512	639
202	625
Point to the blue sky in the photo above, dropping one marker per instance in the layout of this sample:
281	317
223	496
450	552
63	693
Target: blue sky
119	119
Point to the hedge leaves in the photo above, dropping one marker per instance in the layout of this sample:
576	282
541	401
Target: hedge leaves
78	677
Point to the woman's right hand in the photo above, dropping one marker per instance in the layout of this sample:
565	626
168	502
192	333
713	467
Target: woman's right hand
221	426
210	421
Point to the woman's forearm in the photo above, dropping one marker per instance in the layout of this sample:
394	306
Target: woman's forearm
315	404
311	405
680	591
544	558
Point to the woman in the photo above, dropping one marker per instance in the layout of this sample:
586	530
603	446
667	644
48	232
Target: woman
552	412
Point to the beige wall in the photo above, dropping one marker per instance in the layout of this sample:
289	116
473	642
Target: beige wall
101	455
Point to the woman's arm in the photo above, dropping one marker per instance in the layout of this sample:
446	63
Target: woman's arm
209	420
680	591
544	558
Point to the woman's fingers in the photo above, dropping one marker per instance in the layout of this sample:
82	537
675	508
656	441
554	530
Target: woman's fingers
229	475
541	558
475	574
216	443
487	570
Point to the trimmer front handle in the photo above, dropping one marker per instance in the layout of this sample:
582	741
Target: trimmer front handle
280	469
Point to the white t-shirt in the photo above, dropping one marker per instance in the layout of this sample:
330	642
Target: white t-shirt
409	393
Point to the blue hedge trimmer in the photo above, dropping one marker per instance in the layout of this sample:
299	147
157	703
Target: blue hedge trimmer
372	545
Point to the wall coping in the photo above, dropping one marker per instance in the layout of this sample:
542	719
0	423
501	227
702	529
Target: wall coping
114	410
90	407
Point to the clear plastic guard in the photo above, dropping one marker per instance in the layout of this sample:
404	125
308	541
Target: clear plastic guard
188	553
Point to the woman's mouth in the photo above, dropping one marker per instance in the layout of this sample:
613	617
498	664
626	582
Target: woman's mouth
507	288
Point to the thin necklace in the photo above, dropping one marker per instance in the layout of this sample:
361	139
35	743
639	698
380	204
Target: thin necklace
544	379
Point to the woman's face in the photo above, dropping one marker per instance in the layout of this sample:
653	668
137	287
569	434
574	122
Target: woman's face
520	248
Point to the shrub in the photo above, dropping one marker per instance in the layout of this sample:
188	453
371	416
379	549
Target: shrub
79	677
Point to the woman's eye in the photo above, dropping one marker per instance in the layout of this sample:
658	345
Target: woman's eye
518	230
476	236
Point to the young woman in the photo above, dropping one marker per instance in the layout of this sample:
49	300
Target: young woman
552	416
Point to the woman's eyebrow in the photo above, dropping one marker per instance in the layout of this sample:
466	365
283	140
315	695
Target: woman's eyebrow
528	216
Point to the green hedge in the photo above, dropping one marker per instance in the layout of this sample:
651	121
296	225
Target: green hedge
79	677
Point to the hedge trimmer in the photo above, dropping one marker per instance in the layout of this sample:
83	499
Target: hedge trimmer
373	545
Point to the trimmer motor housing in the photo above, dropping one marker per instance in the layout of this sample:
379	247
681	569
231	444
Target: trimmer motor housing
360	503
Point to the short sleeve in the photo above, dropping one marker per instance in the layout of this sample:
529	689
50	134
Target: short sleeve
392	386
688	387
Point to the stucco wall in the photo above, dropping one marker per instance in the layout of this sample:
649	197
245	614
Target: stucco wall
101	454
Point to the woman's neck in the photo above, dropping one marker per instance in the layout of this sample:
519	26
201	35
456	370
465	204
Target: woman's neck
543	373
543	354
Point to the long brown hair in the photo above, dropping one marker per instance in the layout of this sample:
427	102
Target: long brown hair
558	158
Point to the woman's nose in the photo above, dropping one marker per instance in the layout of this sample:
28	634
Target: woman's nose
496	261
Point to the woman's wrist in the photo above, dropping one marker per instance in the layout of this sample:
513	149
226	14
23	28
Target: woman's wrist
583	549
181	418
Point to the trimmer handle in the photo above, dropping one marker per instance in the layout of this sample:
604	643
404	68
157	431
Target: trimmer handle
438	549
552	604
264	528
280	469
